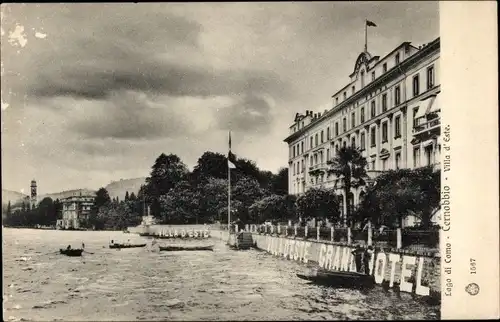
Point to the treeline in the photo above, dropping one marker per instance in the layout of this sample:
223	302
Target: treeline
175	195
113	214
179	196
45	213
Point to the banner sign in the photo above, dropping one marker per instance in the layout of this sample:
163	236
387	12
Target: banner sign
388	267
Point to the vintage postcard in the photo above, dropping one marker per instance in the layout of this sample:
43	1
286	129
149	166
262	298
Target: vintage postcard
250	161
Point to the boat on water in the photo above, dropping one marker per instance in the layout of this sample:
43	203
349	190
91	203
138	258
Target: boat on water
340	279
186	248
71	252
126	245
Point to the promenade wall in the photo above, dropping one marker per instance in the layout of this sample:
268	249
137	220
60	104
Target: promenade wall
157	229
398	270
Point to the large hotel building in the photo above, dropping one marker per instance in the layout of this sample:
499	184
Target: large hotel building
389	110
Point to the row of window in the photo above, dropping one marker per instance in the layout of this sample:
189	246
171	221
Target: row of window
429	153
317	158
315	141
362	77
397	134
397	101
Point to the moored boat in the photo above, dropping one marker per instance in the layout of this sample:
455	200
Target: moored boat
71	252
185	248
340	279
126	245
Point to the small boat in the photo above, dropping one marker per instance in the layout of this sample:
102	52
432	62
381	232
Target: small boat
187	248
71	252
126	245
340	279
146	235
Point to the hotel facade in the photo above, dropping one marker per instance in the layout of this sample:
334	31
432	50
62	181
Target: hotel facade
390	110
75	209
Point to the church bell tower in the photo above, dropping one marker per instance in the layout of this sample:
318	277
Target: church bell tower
33	194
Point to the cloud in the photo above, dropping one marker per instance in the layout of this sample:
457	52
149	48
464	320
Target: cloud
112	86
129	115
251	113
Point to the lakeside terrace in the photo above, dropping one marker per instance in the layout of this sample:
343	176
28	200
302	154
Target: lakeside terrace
406	240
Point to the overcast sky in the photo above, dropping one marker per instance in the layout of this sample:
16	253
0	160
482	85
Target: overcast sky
93	93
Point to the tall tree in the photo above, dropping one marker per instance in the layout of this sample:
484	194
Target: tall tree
167	171
180	205
318	203
245	193
102	197
210	165
126	196
280	182
46	212
213	198
348	166
400	193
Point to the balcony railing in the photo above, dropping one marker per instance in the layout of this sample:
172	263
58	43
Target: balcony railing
427	126
319	166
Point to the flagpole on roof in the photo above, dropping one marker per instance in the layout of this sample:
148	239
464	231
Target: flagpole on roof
229	186
368	23
366	36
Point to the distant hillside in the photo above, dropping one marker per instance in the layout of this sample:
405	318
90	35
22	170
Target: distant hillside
66	194
119	188
13	196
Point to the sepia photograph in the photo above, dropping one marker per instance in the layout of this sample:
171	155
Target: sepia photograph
227	161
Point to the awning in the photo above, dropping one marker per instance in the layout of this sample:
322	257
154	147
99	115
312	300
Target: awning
423	107
427	143
434	105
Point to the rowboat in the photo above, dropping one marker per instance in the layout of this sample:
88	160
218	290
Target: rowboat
340	279
126	245
185	248
71	252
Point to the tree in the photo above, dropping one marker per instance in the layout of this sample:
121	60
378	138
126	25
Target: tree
319	203
399	193
246	191
101	198
274	208
213	198
165	174
180	205
133	197
279	183
46	212
210	165
349	166
126	196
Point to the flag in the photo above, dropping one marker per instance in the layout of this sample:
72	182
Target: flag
229	155
370	24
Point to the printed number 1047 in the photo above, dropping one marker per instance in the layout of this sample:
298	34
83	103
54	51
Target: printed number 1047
472	266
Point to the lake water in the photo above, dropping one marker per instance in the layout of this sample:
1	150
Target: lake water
144	284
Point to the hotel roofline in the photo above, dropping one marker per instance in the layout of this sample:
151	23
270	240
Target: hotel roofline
395	71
